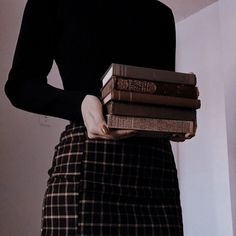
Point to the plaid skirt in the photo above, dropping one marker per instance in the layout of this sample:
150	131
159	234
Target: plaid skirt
111	188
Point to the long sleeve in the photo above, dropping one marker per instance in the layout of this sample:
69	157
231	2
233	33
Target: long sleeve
27	86
84	38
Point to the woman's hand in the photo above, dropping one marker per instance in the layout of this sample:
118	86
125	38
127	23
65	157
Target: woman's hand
95	123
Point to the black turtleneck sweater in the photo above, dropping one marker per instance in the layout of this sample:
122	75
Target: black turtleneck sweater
84	38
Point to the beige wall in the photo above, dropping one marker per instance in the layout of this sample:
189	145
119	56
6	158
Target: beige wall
26	147
228	64
206	46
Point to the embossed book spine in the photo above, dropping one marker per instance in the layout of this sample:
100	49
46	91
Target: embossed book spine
133	97
149	87
151	124
151	74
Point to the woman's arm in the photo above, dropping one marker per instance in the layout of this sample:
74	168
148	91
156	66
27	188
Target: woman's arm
27	86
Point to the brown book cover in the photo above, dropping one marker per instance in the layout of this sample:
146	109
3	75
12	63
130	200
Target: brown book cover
151	74
175	137
188	128
151	111
133	97
150	87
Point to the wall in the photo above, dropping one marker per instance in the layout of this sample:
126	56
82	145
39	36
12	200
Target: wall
203	161
228	62
26	147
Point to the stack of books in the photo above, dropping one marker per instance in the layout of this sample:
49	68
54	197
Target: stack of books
153	102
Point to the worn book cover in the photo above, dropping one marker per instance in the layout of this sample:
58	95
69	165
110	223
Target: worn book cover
175	137
151	74
151	111
188	128
150	87
134	97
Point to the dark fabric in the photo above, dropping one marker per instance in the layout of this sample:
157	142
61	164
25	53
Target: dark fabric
97	187
111	188
84	38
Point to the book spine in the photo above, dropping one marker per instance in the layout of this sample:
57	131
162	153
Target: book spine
153	74
150	124
108	87
133	97
150	87
138	110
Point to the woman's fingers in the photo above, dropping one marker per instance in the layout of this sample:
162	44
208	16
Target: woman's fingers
95	123
120	134
113	134
105	129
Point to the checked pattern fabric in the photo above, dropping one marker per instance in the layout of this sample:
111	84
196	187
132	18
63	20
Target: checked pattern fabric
111	188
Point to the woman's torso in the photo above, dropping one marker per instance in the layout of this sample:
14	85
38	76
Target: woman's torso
97	33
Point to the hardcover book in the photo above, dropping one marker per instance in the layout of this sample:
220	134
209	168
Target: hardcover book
186	128
149	87
175	137
155	103
142	98
150	111
151	74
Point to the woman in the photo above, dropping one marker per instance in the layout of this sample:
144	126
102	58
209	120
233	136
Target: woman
102	182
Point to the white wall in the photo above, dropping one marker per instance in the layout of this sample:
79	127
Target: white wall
228	37
203	161
26	147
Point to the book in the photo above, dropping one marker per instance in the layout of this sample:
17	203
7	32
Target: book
133	97
150	87
175	137
186	128
154	103
151	74
150	111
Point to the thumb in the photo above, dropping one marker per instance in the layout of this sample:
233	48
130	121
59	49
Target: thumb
103	128
100	124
